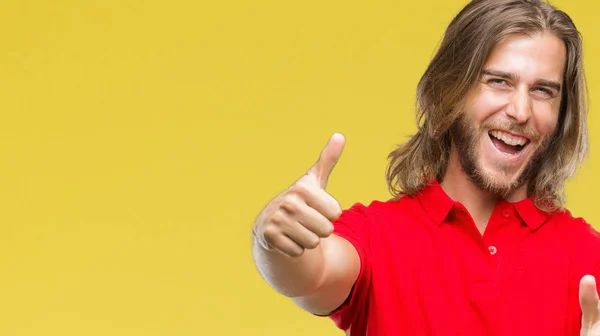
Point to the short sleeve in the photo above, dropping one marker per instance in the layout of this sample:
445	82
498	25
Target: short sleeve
586	259
353	225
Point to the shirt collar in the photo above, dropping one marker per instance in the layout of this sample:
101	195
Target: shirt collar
530	214
438	205
436	202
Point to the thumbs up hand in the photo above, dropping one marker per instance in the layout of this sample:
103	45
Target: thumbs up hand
328	159
299	217
590	307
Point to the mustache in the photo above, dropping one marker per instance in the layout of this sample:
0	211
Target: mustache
525	130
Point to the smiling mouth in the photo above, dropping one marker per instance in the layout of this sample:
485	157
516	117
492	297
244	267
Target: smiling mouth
508	143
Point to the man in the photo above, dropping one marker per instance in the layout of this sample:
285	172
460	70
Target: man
477	241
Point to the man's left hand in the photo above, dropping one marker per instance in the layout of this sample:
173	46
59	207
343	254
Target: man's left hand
590	307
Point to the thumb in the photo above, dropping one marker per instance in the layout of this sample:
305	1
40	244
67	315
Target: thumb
329	157
588	299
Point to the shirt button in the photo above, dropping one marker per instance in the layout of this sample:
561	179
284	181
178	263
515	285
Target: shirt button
492	250
506	213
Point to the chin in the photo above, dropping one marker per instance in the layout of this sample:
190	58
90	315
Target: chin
498	182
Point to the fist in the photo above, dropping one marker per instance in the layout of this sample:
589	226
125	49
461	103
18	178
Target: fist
590	307
299	217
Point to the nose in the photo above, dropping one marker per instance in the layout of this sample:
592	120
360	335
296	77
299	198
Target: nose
519	107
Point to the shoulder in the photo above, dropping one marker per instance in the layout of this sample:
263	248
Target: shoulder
585	243
379	215
578	227
584	238
379	208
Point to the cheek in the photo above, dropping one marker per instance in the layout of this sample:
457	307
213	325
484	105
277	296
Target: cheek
546	119
486	104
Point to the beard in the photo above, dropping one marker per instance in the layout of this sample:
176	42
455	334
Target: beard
465	136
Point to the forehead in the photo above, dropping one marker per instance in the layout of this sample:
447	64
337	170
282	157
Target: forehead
539	56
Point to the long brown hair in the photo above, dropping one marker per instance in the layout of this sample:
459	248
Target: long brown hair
456	68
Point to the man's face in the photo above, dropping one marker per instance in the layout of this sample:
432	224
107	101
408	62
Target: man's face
510	115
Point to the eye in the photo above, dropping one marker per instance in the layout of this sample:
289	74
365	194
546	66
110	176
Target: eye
546	92
497	81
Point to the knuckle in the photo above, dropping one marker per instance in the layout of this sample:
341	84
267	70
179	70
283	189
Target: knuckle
270	234
328	230
312	242
302	188
325	230
277	218
337	212
295	252
333	210
290	203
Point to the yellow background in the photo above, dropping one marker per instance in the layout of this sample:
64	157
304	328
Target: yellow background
139	139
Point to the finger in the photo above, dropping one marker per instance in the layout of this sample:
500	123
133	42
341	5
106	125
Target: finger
289	247
314	221
285	245
325	204
313	196
302	236
330	155
588	299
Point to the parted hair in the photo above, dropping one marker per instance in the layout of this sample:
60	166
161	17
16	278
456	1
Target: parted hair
456	68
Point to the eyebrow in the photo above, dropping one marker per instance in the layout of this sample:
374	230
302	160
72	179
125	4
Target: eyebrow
514	77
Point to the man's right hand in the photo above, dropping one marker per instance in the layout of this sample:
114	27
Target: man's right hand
299	217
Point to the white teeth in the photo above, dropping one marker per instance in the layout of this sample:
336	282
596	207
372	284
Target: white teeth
508	138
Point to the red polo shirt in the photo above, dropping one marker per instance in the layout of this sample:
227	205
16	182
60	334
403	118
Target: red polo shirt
426	269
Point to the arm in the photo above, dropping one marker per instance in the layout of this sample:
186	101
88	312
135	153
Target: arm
319	281
293	246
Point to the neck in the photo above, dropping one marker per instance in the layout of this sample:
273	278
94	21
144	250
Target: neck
479	202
